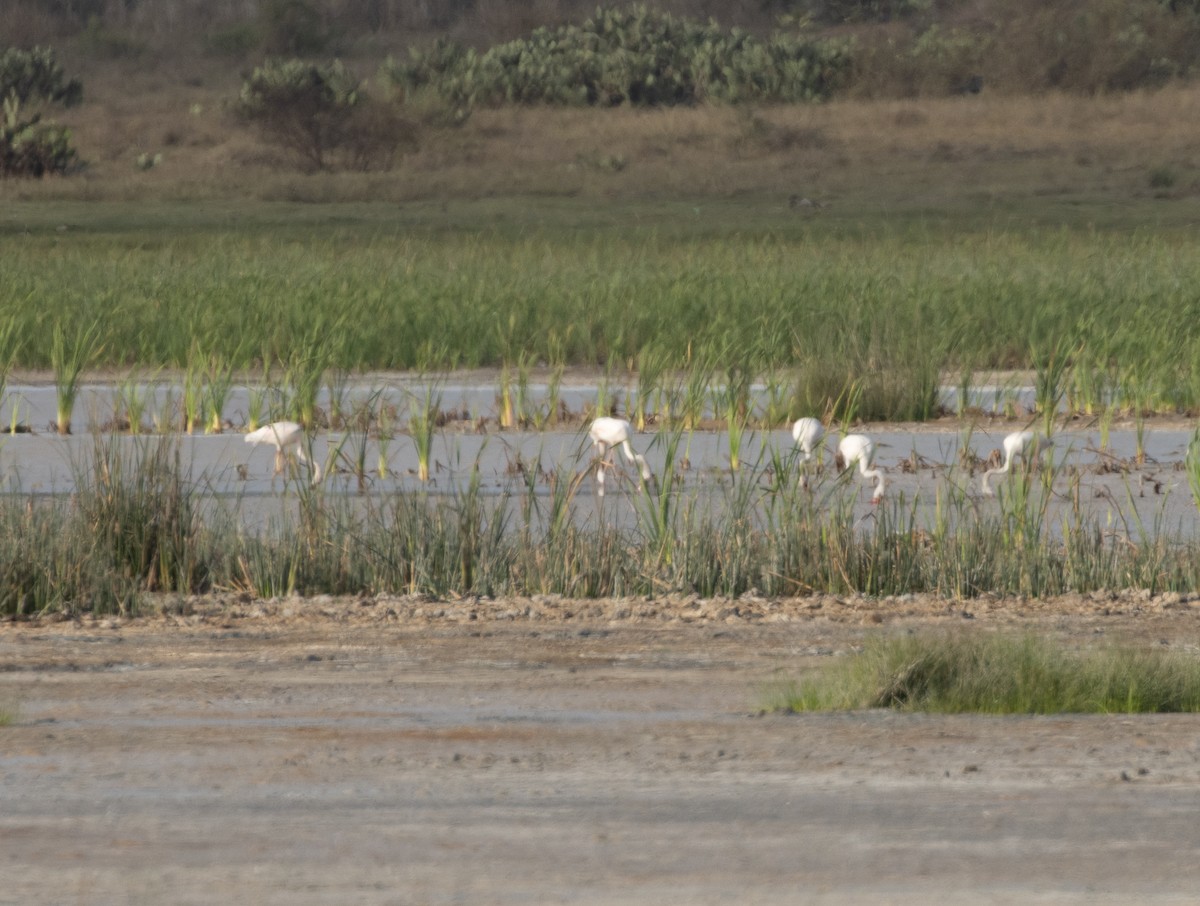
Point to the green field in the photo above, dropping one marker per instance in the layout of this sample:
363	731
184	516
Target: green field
838	297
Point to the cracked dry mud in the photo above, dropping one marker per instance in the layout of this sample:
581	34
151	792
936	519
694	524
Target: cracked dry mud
402	750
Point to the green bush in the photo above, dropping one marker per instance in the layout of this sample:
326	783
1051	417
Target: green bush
30	80
320	113
302	106
37	150
634	56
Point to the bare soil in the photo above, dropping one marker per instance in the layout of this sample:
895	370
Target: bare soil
403	750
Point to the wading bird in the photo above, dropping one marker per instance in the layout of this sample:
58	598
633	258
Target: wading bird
607	433
858	448
287	438
808	434
1025	444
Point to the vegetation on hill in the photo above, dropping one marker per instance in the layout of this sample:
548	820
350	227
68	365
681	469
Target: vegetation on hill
895	48
635	56
30	81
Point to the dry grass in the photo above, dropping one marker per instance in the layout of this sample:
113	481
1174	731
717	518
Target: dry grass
855	153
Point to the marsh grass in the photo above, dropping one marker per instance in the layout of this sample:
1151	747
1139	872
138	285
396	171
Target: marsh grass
424	409
507	417
133	396
303	377
873	311
986	673
1051	364
193	388
70	354
1192	467
356	428
219	384
139	500
385	431
138	523
9	349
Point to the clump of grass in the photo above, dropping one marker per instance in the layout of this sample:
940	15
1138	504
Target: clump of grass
1051	365
1161	178
137	501
133	397
423	422
952	673
69	357
193	388
507	417
220	383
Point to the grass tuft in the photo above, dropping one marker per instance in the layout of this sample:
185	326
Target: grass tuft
952	673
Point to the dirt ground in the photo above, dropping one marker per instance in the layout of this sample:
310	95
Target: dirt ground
548	751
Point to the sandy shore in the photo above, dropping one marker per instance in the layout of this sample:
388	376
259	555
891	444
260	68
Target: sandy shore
547	751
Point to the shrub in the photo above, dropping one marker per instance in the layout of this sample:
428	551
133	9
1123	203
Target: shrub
30	80
376	135
1162	178
302	106
320	113
633	56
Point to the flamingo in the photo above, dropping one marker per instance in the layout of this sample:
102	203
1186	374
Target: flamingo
1025	444
858	448
808	434
609	432
287	438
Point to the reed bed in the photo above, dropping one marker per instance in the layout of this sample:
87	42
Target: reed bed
138	524
863	322
999	674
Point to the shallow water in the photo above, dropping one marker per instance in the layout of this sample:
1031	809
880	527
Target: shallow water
921	464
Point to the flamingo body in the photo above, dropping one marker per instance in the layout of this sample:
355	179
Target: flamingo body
860	449
1024	444
607	432
808	433
287	438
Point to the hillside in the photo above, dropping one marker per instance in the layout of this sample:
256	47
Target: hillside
1043	130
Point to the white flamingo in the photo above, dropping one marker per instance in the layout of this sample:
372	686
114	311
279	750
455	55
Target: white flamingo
808	434
1025	444
287	438
607	433
858	448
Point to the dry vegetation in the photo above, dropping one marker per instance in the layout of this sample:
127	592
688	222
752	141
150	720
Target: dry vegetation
153	85
860	153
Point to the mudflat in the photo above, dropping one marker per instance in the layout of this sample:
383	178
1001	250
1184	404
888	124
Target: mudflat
405	750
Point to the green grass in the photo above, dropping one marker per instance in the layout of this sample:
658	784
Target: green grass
867	301
999	674
8	715
138	523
